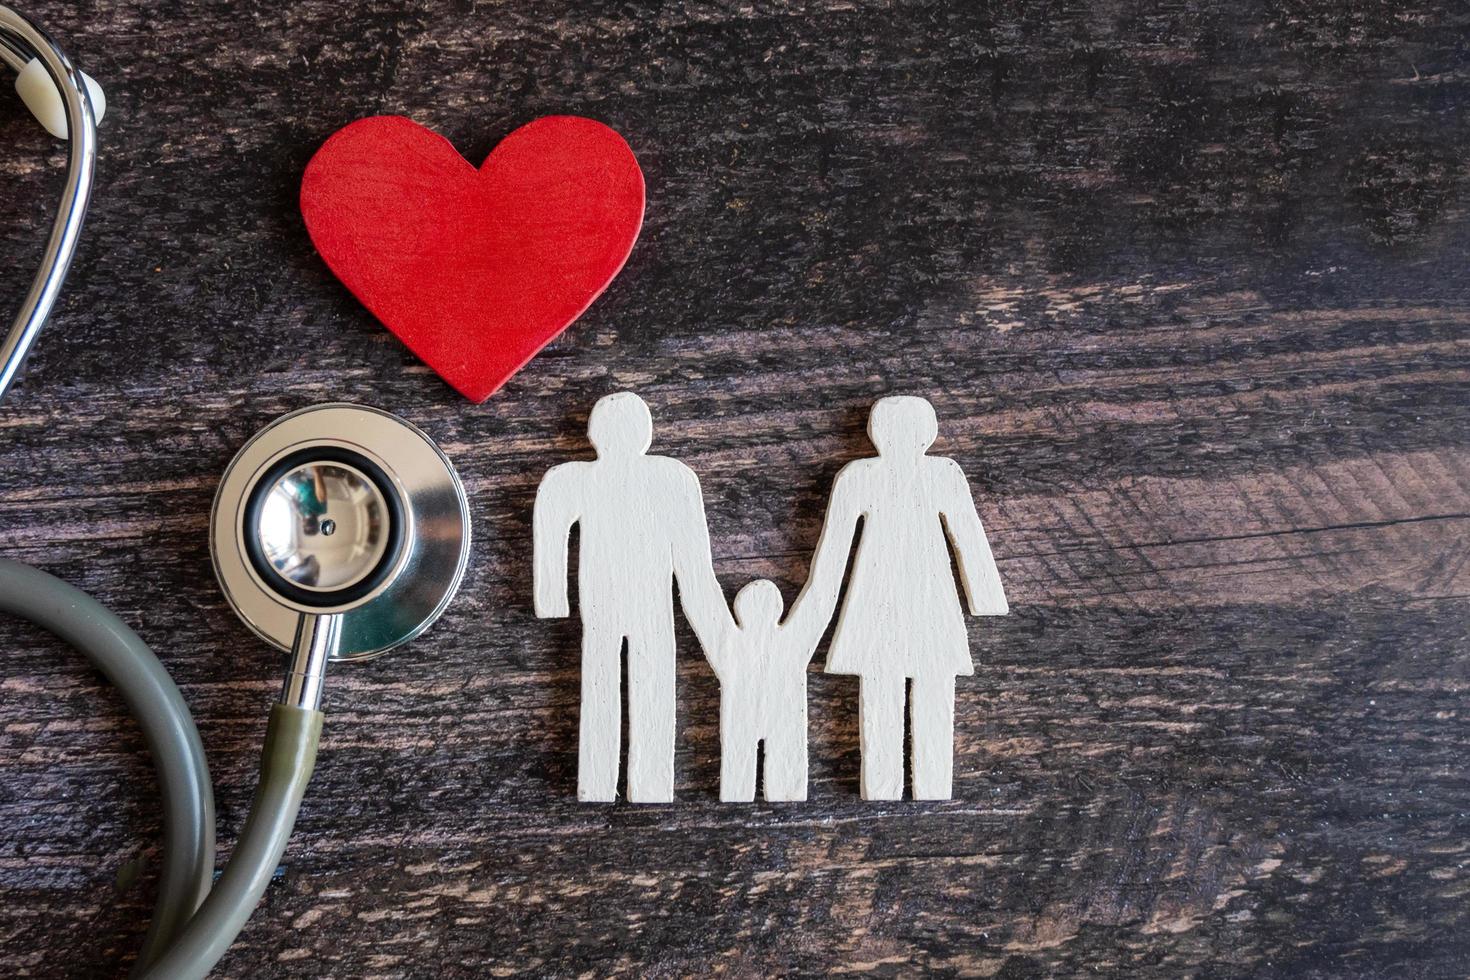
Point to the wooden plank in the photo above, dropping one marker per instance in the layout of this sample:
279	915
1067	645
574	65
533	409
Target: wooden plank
1186	283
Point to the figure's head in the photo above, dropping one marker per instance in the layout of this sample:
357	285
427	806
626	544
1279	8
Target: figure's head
620	425
902	425
758	604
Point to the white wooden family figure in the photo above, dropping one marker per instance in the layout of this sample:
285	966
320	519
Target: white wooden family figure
762	670
900	629
642	526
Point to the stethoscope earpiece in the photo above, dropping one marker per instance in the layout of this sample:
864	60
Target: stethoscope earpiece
36	89
68	104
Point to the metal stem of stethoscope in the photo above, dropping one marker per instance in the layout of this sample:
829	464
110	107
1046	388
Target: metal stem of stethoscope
19	41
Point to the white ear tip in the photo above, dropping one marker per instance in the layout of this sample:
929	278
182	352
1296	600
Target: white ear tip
98	97
40	96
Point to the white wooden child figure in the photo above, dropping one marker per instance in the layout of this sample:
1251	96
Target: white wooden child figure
762	666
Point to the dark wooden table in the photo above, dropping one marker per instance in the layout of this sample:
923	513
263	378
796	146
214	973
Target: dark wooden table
1187	285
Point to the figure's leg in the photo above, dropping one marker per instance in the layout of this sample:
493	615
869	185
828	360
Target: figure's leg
931	717
786	755
601	719
738	742
651	713
880	715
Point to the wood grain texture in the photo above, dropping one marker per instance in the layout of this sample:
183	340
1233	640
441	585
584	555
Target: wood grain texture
1189	281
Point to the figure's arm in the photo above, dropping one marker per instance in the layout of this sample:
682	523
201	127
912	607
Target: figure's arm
718	656
813	608
555	512
700	594
981	578
804	626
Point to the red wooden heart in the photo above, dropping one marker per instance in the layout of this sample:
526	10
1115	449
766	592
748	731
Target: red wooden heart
475	270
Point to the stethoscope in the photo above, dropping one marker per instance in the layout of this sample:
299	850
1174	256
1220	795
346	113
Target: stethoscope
338	532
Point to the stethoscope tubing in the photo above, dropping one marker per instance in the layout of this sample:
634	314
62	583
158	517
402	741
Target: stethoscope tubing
168	730
20	38
193	925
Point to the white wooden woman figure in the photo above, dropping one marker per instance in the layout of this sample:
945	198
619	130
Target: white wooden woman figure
901	620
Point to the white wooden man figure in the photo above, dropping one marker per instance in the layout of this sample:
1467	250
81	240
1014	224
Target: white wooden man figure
900	629
762	666
642	527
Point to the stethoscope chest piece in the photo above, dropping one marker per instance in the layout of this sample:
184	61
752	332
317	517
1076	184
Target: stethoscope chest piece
345	512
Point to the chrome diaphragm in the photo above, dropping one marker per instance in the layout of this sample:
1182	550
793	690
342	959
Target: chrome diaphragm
340	510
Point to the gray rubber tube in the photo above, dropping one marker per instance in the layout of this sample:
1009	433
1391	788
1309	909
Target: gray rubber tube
168	730
186	938
285	768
